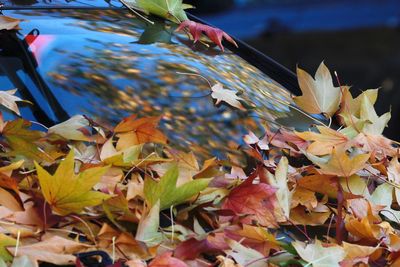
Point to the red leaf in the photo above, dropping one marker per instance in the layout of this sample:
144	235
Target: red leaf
192	248
214	34
257	201
166	260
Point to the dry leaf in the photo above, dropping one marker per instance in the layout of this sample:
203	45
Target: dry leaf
319	95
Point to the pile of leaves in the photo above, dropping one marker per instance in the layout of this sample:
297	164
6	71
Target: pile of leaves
328	196
323	197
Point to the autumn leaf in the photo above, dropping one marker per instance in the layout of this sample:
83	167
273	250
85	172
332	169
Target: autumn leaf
72	128
168	193
252	139
320	256
225	95
283	194
8	99
340	163
56	250
375	124
319	94
132	131
166	260
6	241
23	141
216	35
173	10
147	231
78	194
245	256
351	107
255	237
324	141
9	23
255	201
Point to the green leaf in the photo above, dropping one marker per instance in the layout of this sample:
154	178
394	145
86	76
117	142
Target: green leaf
67	192
166	191
6	241
173	10
148	227
155	33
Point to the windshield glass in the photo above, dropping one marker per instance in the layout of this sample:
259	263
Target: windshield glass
104	64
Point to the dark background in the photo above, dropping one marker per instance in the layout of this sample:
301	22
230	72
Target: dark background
360	39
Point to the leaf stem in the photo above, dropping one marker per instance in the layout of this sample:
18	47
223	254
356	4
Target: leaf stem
136	13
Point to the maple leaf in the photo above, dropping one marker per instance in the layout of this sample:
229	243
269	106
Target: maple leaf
132	131
165	260
257	201
67	192
8	99
6	241
375	124
279	181
192	247
245	256
320	256
173	10
196	29
23	141
351	107
147	231
252	139
229	96
168	193
340	163
319	95
9	23
72	128
324	141
56	250
255	237
394	175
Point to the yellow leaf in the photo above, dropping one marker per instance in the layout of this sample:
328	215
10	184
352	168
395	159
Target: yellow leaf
352	106
67	192
340	164
319	95
324	141
375	124
279	180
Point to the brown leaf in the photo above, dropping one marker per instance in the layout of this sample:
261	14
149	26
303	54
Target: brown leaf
9	23
55	250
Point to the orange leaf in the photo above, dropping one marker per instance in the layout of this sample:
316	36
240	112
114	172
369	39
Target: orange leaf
132	131
324	142
166	260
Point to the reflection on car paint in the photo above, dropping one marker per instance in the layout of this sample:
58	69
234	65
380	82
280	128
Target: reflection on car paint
93	64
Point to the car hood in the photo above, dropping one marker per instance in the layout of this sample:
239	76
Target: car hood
107	64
